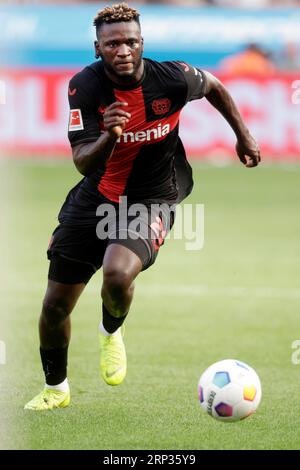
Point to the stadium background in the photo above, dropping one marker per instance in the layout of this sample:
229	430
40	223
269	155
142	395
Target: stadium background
238	297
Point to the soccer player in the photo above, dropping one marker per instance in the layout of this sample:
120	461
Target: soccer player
123	130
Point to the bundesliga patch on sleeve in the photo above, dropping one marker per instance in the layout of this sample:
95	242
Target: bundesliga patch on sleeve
75	120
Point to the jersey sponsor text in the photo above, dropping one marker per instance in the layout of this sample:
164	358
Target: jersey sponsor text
145	136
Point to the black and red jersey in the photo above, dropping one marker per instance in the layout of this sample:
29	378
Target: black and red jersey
148	163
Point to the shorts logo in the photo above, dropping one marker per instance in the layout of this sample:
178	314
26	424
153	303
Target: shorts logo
160	233
161	106
75	121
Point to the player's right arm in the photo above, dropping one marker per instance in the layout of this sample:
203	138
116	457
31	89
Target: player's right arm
91	146
88	156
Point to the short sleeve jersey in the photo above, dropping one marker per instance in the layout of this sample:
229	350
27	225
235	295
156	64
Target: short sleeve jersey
148	163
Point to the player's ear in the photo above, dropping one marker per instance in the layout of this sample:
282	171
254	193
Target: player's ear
97	51
142	42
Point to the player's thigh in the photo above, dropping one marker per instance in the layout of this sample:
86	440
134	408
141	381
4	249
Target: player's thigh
145	233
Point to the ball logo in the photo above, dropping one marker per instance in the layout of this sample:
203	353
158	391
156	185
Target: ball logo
210	402
161	106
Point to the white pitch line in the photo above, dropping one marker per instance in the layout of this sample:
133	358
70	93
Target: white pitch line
177	290
230	291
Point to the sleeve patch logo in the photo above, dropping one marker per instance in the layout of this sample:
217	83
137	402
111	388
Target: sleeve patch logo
161	106
75	121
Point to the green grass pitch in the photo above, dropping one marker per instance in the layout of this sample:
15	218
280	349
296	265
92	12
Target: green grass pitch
239	297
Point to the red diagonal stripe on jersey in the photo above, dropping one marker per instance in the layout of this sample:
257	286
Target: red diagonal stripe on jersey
139	132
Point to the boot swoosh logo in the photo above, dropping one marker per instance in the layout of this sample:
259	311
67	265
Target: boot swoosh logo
110	374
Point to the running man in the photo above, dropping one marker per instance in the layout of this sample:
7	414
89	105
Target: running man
123	130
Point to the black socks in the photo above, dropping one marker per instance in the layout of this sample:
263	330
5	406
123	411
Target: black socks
54	364
110	323
55	360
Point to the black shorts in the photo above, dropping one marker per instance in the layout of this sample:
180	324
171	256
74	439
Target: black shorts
77	252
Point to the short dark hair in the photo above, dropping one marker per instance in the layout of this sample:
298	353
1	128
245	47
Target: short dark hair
115	14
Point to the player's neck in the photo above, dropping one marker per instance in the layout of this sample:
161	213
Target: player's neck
126	81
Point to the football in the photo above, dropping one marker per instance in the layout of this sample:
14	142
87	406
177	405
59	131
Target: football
229	390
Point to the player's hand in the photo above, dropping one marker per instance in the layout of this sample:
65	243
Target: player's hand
248	151
115	118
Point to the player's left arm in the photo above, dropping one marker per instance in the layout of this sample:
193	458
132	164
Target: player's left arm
246	147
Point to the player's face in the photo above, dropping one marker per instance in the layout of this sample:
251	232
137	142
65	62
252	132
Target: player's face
120	46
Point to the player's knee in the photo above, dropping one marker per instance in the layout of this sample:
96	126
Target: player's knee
117	282
54	312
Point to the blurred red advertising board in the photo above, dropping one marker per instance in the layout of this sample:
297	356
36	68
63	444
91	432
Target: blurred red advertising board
34	116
